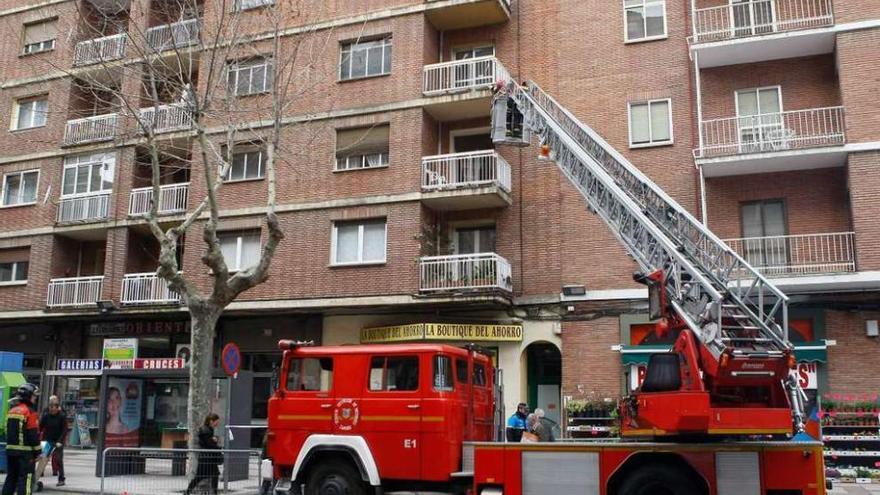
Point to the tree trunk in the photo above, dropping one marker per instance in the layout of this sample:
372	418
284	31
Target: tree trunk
202	329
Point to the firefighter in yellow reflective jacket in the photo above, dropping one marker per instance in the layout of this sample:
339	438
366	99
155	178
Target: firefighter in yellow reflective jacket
22	441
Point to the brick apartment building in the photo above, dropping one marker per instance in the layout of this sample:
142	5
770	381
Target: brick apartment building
759	116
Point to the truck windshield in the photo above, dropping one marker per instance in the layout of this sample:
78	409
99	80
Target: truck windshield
310	375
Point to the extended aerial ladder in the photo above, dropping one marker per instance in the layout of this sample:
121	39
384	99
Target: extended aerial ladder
728	371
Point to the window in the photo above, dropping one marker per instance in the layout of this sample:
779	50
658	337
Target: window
14	272
645	19
443	379
87	174
364	147
394	374
358	242
650	123
247	163
31	112
477	72
252	4
763	224
480	375
20	188
248	77
39	37
365	59
461	370
241	249
310	375
475	240
759	120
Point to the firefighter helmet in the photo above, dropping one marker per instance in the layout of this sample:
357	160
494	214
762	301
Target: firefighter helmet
26	391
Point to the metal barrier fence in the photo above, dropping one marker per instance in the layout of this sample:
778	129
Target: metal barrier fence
157	471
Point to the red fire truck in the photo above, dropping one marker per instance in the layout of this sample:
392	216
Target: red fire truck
714	416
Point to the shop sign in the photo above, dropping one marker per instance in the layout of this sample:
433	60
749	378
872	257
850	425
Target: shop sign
807	375
145	364
116	349
442	332
138	328
80	364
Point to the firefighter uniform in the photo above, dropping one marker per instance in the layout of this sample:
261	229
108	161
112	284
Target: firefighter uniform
22	448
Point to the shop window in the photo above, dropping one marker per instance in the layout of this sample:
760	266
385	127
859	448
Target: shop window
310	375
443	380
394	374
461	370
363	147
365	59
480	375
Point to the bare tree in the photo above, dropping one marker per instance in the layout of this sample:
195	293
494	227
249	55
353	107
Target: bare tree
182	85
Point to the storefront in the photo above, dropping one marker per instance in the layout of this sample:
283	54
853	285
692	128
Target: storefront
526	354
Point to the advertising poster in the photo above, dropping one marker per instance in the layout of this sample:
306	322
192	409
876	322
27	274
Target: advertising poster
82	428
120	349
122	426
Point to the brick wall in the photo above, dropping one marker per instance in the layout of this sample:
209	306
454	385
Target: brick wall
858	58
589	366
852	362
864	195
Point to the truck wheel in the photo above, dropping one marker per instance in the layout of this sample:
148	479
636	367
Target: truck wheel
659	480
334	478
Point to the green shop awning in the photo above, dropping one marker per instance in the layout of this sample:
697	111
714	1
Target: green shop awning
810	352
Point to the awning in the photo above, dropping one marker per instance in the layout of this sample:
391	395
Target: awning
806	352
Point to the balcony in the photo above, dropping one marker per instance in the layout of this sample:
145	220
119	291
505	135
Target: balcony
461	89
74	292
773	142
146	288
797	255
96	50
166	118
446	15
85	208
172	199
460	181
772	29
176	35
464	273
91	129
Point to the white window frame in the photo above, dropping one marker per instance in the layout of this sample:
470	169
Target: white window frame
239	244
238	67
644	5
20	203
29	100
243	150
760	127
103	158
37	46
15	268
242	5
351	46
757	91
360	247
361	161
629	123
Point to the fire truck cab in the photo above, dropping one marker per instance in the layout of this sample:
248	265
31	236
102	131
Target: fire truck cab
353	419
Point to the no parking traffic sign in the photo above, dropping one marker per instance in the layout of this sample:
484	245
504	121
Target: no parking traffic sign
230	359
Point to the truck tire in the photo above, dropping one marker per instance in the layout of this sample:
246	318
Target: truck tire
659	480
334	478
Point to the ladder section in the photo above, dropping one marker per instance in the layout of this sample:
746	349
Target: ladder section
718	295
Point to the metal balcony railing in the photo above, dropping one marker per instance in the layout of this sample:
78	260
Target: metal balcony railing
798	129
462	75
166	118
465	272
759	17
176	35
789	255
97	50
87	207
91	129
146	288
74	291
172	199
463	170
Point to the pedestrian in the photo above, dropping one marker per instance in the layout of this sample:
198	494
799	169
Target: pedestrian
53	429
529	435
206	469
543	427
22	441
516	423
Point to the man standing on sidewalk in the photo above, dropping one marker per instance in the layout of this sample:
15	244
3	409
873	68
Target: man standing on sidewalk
53	429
